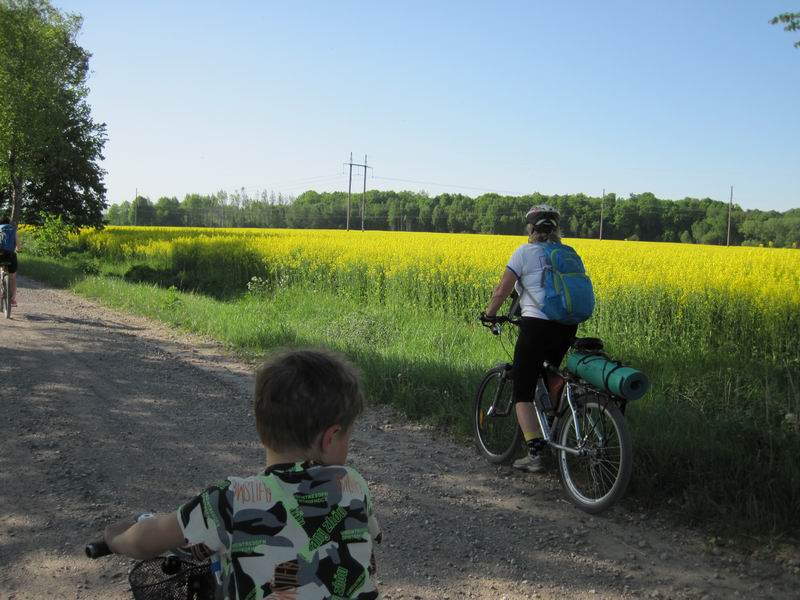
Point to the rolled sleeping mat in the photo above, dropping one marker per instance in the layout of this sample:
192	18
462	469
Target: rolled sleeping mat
613	377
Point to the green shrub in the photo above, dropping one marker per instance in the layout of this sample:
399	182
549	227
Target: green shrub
51	238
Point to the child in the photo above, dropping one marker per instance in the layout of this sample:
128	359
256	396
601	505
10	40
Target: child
305	527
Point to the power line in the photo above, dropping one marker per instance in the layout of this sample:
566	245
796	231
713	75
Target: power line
463	187
305	179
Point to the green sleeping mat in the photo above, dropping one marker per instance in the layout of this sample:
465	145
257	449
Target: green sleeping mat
608	375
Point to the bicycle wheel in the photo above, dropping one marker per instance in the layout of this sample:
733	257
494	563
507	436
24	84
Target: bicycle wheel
596	478
5	302
497	434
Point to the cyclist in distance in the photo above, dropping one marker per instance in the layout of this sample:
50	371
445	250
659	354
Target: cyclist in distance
540	338
8	254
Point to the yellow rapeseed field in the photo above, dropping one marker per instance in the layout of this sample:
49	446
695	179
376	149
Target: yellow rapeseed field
692	298
455	265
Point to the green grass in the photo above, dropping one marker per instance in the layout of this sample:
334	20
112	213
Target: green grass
710	436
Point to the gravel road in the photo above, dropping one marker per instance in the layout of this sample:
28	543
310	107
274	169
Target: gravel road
104	415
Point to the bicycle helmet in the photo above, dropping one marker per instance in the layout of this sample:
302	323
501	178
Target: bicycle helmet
543	217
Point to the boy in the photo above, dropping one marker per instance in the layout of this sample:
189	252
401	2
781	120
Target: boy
305	527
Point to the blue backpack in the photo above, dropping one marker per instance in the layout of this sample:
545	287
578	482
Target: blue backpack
568	293
8	238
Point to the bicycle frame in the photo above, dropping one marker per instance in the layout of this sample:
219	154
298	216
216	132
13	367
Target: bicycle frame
493	409
567	394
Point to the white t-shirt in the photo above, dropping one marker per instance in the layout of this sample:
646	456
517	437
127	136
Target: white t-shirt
527	263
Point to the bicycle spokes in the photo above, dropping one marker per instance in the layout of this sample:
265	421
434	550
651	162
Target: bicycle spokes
595	470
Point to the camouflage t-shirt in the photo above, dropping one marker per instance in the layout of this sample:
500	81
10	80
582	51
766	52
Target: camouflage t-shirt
298	531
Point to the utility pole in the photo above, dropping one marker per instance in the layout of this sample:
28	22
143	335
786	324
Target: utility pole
602	204
136	207
364	194
349	189
351	164
730	209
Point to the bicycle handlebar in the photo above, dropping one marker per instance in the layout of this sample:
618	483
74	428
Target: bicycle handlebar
97	549
488	321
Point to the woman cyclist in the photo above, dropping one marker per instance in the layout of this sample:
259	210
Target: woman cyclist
540	338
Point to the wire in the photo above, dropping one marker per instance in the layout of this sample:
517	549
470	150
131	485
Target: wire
463	187
305	179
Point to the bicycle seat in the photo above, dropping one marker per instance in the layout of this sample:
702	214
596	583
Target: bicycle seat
588	344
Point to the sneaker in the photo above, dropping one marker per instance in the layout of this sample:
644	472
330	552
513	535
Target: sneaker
13	303
532	463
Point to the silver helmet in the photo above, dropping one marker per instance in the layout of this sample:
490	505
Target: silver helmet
543	217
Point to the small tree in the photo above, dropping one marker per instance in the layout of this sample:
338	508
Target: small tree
51	237
49	145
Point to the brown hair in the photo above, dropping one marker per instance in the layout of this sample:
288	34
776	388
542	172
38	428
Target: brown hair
300	393
548	235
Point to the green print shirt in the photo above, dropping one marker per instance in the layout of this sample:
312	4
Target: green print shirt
300	531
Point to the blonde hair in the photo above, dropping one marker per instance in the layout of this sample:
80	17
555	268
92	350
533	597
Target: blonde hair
538	237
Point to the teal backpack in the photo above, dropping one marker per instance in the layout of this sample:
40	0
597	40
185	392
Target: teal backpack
568	293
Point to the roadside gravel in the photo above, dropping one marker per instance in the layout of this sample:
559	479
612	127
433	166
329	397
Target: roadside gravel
104	415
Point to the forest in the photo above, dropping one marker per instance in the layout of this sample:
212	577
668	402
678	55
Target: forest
639	217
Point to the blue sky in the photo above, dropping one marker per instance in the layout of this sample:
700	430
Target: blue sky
679	98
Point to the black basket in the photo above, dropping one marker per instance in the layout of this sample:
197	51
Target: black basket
172	578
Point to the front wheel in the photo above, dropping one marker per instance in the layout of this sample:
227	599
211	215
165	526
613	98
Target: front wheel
497	434
597	477
5	298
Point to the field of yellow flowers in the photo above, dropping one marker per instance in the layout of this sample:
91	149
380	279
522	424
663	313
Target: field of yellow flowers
690	295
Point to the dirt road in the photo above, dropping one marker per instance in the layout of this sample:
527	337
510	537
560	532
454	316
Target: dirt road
103	415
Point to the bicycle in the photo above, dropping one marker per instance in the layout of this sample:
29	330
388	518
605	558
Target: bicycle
5	290
181	574
584	427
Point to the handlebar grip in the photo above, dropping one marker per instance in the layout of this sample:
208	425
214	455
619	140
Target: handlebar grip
98	549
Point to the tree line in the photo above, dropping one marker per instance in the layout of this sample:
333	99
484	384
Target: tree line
639	217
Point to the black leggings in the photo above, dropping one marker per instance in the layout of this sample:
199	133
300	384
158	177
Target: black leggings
539	340
9	258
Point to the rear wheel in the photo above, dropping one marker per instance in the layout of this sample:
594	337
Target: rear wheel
598	476
497	434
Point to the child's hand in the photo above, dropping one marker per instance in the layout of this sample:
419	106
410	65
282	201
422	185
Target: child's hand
146	539
116	529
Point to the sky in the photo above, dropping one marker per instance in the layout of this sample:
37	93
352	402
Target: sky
678	98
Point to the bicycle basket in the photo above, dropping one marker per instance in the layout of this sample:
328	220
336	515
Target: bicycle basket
193	580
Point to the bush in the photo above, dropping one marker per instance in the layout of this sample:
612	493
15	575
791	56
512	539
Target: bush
51	238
